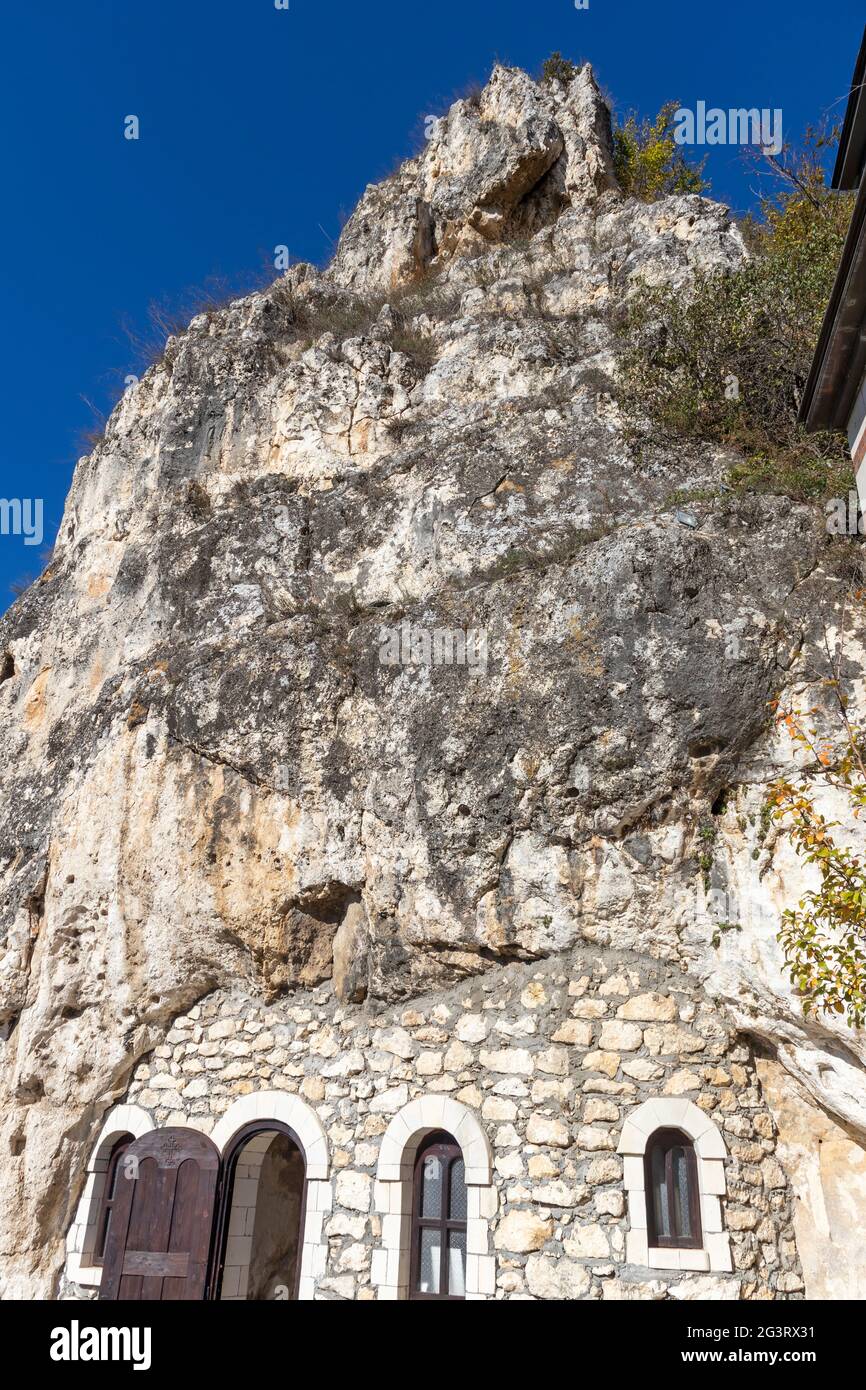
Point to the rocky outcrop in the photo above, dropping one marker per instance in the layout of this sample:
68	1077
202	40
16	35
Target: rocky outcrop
369	652
827	1170
496	168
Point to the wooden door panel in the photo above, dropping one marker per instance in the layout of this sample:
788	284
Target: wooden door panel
152	1194
159	1237
145	1262
187	1215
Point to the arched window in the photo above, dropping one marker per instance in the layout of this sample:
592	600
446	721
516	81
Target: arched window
260	1223
673	1200
263	1122
108	1191
439	1211
459	1231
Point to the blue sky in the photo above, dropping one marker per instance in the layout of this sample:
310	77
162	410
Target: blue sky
261	127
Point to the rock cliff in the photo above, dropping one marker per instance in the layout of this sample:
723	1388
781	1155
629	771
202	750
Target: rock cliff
218	762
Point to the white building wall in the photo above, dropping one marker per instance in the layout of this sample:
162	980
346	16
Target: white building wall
857	441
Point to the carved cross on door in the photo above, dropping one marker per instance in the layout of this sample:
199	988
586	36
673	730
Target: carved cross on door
169	1148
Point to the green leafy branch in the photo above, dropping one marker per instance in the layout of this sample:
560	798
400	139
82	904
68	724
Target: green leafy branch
824	937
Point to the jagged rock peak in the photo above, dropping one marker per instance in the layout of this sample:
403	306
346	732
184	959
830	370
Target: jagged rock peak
498	166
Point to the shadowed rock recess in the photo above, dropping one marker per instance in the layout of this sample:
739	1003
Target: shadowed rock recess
213	782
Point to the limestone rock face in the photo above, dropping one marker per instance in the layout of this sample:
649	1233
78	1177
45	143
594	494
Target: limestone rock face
502	165
368	653
827	1168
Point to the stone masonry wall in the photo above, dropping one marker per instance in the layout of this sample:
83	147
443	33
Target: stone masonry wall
552	1058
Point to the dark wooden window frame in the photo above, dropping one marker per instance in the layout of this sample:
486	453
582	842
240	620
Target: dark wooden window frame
444	1147
226	1190
671	1139
118	1149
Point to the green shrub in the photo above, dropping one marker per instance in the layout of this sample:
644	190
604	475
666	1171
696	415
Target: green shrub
728	362
649	163
558	69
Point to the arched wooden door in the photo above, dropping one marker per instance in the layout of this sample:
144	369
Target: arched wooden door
162	1217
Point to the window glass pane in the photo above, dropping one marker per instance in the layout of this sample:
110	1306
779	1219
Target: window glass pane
430	1263
660	1193
431	1187
457	1263
682	1215
112	1177
457	1204
116	1167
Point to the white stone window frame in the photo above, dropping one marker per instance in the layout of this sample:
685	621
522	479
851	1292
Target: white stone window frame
259	1107
81	1238
710	1153
392	1194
